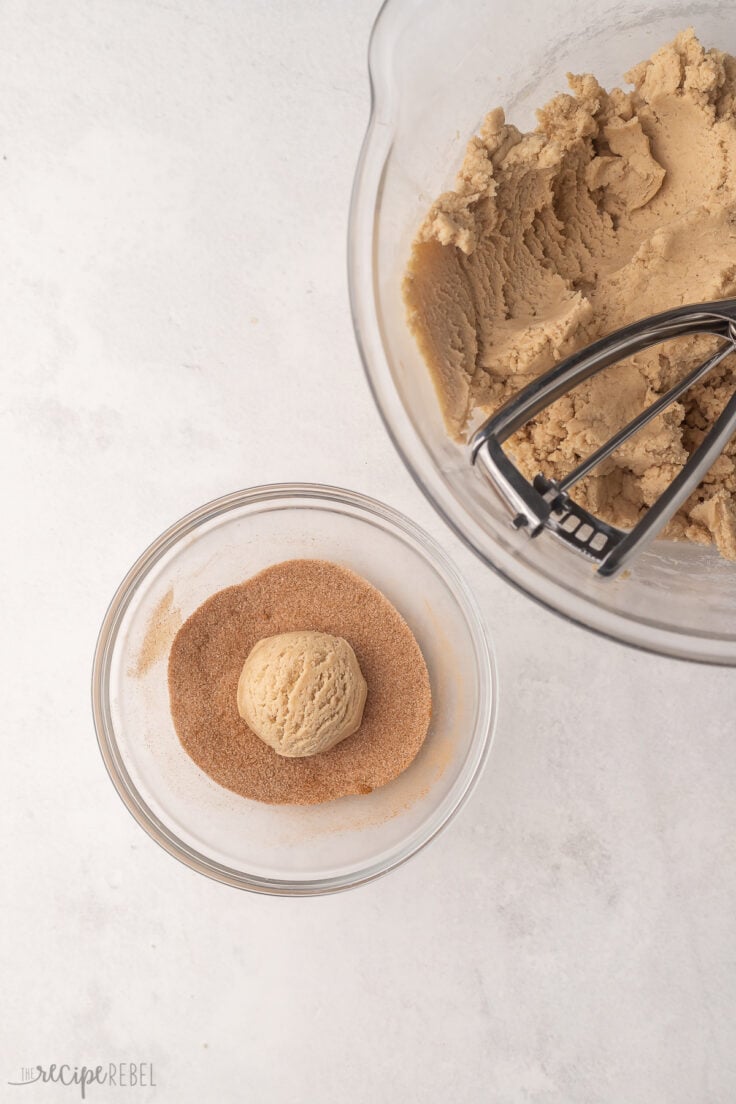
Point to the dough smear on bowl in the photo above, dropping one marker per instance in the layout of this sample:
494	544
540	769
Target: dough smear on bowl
619	205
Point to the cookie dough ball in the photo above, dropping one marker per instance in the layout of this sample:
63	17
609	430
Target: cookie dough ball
302	692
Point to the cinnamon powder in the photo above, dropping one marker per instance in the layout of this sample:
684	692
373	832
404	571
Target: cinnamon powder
207	657
162	625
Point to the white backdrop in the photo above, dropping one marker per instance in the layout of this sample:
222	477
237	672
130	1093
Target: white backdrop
174	181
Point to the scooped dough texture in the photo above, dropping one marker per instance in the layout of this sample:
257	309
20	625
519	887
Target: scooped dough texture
302	692
619	205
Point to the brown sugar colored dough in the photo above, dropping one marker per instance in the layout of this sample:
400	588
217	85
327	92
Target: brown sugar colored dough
207	657
302	692
619	205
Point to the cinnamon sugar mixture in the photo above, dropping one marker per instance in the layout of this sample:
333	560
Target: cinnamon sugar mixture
207	657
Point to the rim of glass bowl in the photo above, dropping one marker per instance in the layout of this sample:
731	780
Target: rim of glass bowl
362	222
371	511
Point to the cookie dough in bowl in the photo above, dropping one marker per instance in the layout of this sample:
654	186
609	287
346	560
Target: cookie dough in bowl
302	692
254	565
620	204
309	717
571	242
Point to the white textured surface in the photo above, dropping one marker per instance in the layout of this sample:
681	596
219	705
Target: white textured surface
174	180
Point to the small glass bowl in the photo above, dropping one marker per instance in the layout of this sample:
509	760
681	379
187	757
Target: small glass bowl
289	850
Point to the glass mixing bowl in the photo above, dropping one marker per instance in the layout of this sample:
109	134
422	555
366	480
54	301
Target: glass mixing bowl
282	849
436	68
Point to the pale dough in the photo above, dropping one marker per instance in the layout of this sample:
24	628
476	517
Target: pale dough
619	205
302	692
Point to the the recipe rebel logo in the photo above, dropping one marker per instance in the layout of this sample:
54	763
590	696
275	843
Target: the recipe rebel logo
117	1075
